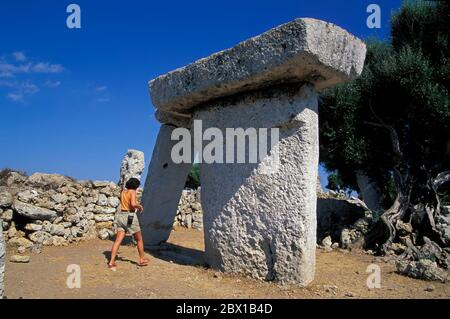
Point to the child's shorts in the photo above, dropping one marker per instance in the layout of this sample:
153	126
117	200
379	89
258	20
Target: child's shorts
127	222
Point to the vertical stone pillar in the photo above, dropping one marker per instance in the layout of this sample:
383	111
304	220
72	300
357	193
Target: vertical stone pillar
259	220
260	216
2	260
162	190
133	164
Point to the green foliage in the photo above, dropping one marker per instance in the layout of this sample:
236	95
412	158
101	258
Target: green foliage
334	182
193	180
404	86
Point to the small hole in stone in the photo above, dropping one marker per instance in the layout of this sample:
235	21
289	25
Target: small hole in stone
165	165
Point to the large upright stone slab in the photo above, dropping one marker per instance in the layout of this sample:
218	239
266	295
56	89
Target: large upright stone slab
260	217
2	260
258	221
162	190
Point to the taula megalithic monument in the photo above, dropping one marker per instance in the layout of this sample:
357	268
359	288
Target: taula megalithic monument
257	222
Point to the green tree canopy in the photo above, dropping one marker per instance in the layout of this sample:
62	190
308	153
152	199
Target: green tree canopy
393	122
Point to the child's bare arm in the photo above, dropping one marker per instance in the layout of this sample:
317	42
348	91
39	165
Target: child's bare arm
134	202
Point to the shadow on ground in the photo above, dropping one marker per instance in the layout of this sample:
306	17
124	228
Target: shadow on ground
178	254
168	252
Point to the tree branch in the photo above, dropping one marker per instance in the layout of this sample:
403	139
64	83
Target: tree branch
441	179
394	137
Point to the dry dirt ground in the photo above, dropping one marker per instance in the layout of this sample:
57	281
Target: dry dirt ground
179	272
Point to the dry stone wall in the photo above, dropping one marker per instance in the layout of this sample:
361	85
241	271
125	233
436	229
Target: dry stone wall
50	209
54	210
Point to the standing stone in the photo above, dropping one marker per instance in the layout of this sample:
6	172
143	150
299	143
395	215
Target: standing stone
132	165
264	224
260	216
162	190
369	191
2	260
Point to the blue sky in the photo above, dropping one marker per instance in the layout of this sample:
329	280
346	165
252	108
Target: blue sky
72	101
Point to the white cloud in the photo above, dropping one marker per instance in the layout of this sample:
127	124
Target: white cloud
20	56
45	67
29	88
17	70
21	90
16	97
8	83
12	68
101	88
52	84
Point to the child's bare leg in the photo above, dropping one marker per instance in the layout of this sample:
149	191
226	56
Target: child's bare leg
140	247
115	248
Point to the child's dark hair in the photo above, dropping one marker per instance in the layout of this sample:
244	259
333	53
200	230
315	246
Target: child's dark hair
132	183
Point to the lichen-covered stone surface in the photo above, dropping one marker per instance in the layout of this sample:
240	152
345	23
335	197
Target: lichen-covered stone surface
189	212
162	190
260	219
2	260
303	50
132	166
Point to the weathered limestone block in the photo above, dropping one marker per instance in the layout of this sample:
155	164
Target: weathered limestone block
34	212
303	50
369	191
2	260
132	165
259	217
162	190
264	224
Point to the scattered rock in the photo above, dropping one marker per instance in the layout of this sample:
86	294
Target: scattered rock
41	237
19	259
102	200
34	212
348	236
326	243
27	196
7	215
33	227
59	241
36	248
60	198
100	184
104	217
105	234
12	231
6	199
57	230
15	179
429	288
48	180
20	242
423	269
398	248
114	202
331	289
